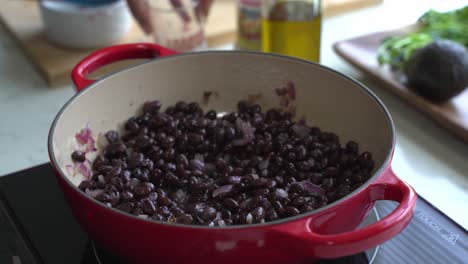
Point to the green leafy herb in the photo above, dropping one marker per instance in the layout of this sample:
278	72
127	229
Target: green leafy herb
396	50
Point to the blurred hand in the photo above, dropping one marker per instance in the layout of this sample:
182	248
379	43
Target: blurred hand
141	11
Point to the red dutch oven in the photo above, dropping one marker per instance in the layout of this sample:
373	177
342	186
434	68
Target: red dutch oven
325	97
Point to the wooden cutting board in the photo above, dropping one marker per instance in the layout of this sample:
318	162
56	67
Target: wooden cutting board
22	19
362	53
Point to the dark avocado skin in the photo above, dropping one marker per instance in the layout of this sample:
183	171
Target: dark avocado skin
438	71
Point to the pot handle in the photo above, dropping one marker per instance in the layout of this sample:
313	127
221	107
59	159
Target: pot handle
386	187
112	54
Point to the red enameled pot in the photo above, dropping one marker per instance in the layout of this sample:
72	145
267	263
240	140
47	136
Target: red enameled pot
325	97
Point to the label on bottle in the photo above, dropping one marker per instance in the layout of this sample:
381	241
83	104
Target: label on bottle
249	25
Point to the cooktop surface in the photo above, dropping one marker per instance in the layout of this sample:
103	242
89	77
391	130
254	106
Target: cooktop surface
37	226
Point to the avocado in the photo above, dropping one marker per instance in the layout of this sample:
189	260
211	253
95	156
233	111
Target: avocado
439	70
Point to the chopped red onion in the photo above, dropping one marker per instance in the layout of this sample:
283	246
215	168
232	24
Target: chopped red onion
234	179
310	187
197	164
222	190
85	169
94	193
84	137
281	193
91	145
70	169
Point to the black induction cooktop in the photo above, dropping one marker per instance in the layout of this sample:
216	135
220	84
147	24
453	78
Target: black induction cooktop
36	226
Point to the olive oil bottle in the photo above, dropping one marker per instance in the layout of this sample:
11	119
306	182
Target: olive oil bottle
292	27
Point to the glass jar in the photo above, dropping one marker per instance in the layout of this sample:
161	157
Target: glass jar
178	27
249	25
292	27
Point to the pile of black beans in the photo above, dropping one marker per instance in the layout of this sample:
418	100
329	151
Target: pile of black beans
184	165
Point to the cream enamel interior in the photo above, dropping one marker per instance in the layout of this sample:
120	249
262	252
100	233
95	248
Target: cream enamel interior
327	99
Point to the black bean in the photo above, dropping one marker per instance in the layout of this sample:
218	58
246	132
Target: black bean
152	107
306	165
164	211
78	156
211	114
200	171
328	183
148	206
271	215
182	160
352	147
258	183
176	211
117	183
115	148
86	185
126	196
299	201
301	152
296	188
307	208
270	184
208	214
226	214
258	214
163	199
103	197
142	191
292	211
158	217
132	125
231	203
279	207
184	219
126	207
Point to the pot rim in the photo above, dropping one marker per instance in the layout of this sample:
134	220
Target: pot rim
375	175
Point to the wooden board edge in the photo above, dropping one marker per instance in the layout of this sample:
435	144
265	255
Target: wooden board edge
453	127
350	6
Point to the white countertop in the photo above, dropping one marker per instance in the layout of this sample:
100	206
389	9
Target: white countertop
433	161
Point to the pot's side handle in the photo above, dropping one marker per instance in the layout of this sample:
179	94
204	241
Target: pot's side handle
386	187
112	54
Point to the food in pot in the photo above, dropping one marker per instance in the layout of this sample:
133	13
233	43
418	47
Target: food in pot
186	166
